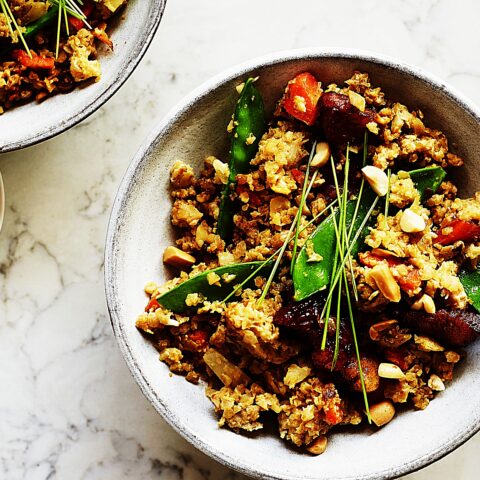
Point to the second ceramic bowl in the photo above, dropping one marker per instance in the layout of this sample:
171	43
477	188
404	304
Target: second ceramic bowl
140	229
132	33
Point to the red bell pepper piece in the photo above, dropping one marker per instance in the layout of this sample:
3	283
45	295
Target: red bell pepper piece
77	23
253	198
301	98
370	259
298	175
408	283
461	230
411	281
198	339
333	415
35	62
152	304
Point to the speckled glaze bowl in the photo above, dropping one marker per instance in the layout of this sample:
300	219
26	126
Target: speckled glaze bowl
132	33
140	229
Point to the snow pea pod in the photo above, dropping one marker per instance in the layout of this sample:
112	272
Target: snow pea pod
174	299
42	22
311	277
248	127
427	180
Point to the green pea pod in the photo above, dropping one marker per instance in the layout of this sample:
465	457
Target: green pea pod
311	277
427	180
42	22
249	126
174	299
471	284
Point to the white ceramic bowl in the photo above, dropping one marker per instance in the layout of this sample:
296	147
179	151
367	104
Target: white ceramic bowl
140	229
132	33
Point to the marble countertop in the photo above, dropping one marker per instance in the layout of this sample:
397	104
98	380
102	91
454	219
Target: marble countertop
69	408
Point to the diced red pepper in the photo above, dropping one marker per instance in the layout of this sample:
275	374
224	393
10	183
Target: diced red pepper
333	415
370	259
301	98
78	23
152	304
253	198
75	23
35	62
410	282
199	338
298	175
460	230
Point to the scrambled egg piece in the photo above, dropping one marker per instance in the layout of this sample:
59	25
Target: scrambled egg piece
81	46
113	5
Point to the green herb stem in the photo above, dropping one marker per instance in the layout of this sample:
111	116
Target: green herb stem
334	281
67	8
339	280
387	197
357	350
294	225
328	304
271	257
365	148
298	217
276	265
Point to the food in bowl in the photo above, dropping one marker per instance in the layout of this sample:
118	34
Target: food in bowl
327	271
49	47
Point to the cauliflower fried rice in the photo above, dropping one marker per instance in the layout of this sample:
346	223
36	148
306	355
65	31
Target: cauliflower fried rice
261	361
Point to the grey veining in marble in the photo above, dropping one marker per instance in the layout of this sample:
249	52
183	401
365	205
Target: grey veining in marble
68	406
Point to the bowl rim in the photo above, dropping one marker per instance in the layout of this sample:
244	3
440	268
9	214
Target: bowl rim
160	130
133	59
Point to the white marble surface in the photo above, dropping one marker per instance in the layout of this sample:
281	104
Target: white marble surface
68	406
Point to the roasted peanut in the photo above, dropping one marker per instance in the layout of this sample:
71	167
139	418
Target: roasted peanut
377	179
385	282
239	87
318	446
202	234
427	344
178	258
436	383
221	171
390	370
227	372
379	327
426	303
381	413
389	334
412	222
381	252
322	155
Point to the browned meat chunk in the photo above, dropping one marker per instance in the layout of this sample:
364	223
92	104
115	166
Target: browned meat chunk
455	327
